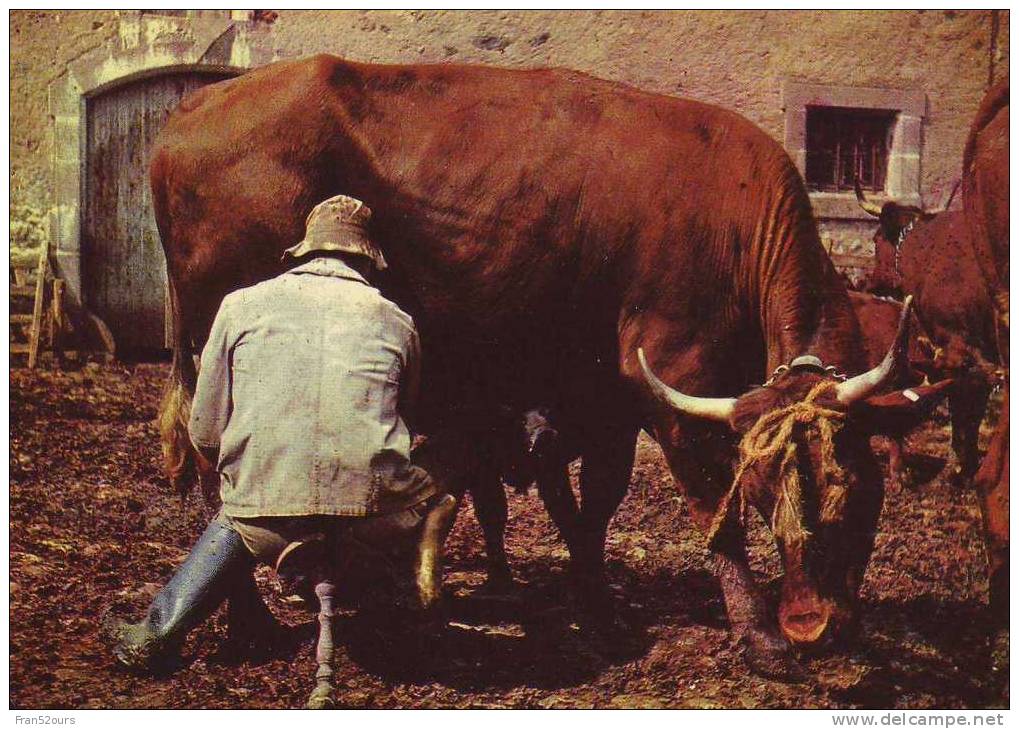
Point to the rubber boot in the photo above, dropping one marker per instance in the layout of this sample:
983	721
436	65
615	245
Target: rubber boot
196	589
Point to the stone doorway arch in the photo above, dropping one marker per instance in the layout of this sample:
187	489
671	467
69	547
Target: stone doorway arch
149	50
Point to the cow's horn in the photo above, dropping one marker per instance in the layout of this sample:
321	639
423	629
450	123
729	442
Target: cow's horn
712	408
951	195
859	387
872	208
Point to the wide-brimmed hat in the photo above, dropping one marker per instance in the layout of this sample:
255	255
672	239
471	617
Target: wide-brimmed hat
338	224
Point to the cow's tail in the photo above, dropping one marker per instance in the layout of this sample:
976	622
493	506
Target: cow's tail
179	461
175	409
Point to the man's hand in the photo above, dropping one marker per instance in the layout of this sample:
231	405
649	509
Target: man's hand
206	460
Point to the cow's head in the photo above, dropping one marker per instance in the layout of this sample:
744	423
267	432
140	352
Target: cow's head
532	440
806	465
895	222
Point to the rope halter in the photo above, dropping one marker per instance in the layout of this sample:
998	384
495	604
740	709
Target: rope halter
770	444
906	230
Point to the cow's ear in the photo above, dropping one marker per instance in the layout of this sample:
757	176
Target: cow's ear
901	410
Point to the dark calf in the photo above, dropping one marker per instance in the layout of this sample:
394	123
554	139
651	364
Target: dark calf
531	451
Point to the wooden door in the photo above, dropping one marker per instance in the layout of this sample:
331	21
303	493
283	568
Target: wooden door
123	269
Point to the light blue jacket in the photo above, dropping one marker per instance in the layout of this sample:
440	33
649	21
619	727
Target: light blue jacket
301	388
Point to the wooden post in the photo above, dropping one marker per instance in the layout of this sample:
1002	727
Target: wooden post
40	290
57	319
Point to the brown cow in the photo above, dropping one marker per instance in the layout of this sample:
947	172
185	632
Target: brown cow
541	226
985	189
928	255
956	263
985	195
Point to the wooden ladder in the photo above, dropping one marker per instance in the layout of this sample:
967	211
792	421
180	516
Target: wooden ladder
51	320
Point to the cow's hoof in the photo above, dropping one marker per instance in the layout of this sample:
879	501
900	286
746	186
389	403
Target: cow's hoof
770	656
958	475
495	589
896	482
428	626
958	479
498	585
598	616
253	633
254	648
601	624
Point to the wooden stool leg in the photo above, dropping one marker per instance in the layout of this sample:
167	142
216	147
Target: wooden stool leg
322	695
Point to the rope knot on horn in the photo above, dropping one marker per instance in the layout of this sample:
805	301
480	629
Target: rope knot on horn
770	443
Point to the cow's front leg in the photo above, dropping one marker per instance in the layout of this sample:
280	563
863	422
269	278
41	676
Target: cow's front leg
697	458
767	653
896	461
490	507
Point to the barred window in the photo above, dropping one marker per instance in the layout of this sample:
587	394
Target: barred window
844	144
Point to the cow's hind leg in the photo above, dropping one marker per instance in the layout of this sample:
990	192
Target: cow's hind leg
251	625
490	507
993	492
604	479
252	630
967	401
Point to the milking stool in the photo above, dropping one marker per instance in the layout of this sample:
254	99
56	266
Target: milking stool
302	568
312	565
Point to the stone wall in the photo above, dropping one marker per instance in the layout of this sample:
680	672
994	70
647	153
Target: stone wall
42	44
737	59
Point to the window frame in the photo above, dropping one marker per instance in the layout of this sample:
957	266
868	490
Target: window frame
841	156
902	180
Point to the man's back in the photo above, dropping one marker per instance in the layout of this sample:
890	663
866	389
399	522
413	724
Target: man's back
315	361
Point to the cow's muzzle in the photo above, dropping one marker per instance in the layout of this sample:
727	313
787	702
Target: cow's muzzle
806	622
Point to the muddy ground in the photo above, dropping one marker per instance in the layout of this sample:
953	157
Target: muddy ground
93	521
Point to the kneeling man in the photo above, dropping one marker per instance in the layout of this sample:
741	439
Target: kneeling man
304	387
